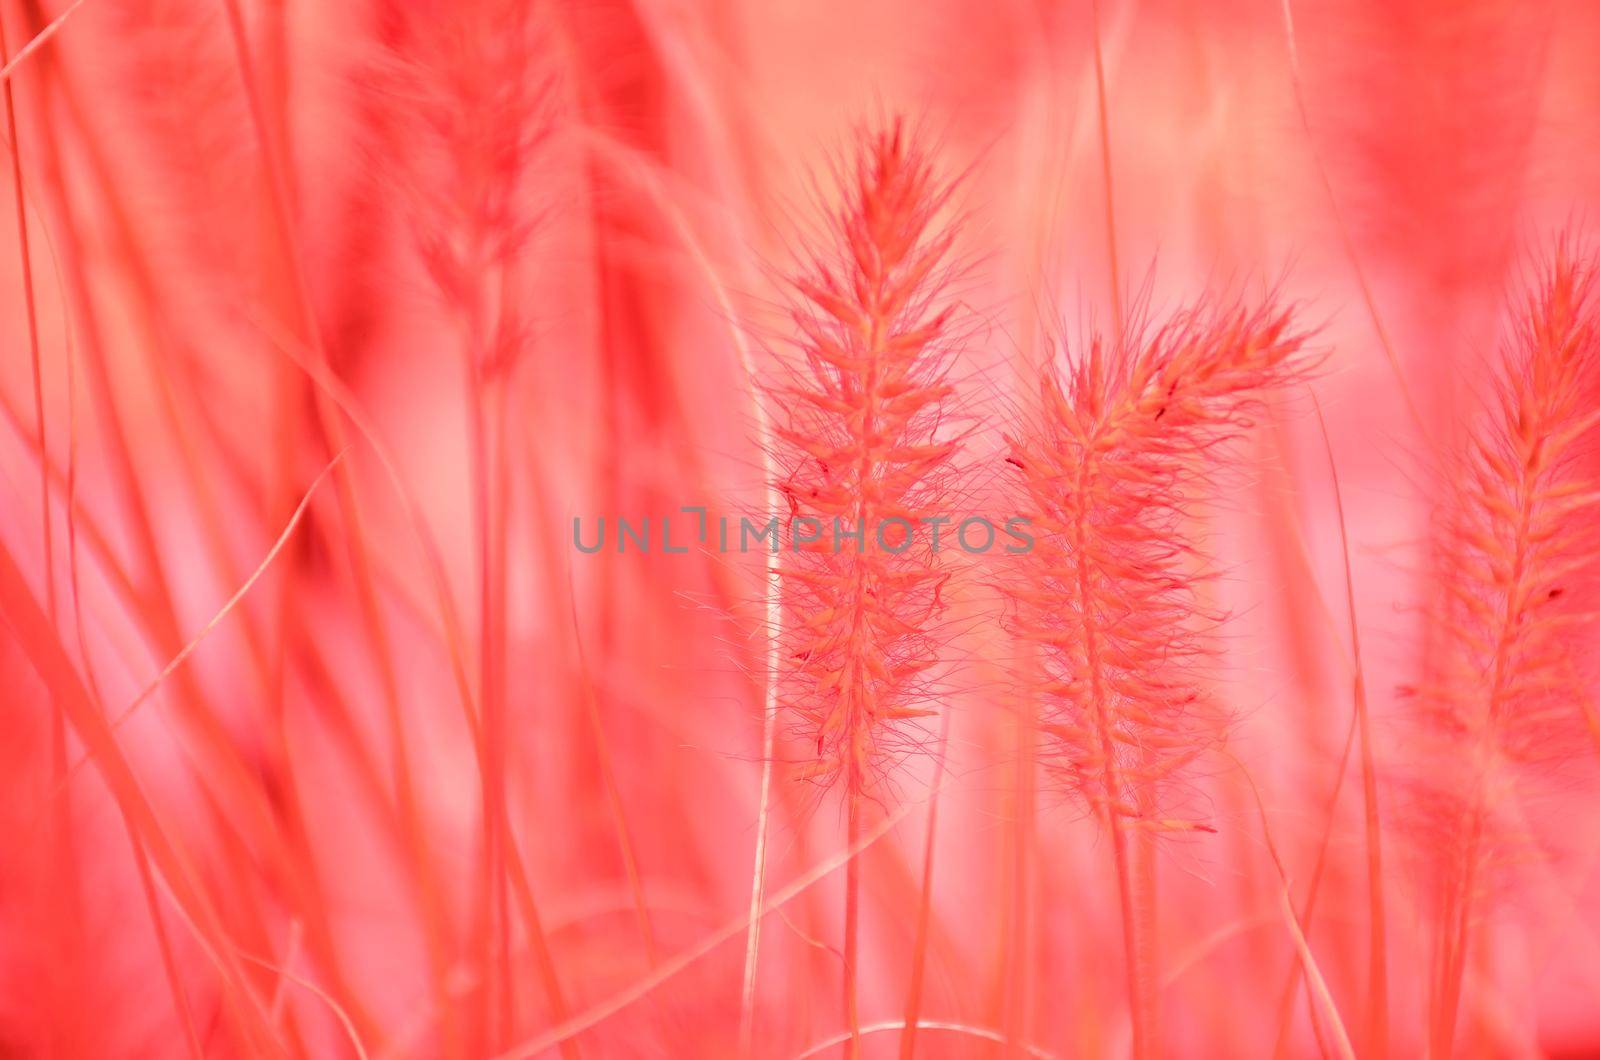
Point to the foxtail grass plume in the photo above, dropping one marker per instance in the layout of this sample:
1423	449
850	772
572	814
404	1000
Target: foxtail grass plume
1105	607
1505	689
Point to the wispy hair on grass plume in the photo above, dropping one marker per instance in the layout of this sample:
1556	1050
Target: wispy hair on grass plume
1122	439
861	439
1514	547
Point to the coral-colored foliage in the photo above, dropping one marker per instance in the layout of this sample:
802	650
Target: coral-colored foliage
1506	696
1121	447
862	434
334	335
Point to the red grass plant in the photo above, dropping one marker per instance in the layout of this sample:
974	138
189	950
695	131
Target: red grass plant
326	321
1516	531
859	432
1106	600
470	89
